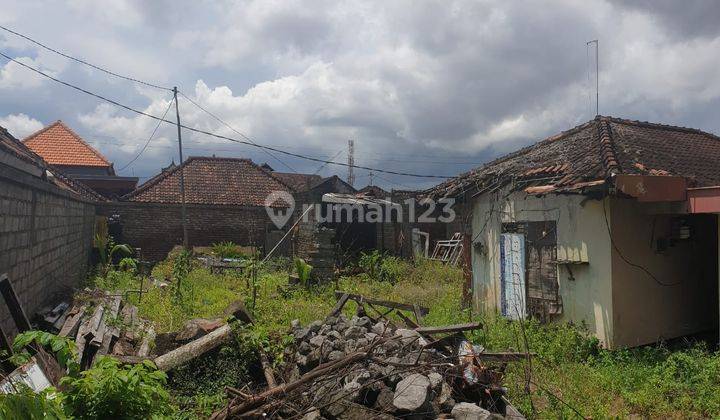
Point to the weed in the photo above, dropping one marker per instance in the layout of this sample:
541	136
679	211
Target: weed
227	250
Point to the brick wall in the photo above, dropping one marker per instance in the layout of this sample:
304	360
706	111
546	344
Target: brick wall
157	228
45	239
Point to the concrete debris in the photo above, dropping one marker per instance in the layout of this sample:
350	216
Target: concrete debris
364	367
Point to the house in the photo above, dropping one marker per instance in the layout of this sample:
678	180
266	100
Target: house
612	224
225	201
61	147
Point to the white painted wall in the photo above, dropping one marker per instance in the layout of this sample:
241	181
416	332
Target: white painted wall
580	225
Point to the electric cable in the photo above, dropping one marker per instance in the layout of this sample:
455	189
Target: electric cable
233	129
83	61
149	139
196	130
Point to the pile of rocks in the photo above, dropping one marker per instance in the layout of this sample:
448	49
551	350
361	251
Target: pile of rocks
406	374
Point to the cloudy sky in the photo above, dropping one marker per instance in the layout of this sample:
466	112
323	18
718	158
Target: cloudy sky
431	87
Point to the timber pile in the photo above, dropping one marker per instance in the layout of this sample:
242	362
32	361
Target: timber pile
368	367
101	324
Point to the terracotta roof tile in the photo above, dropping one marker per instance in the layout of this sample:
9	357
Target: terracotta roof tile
58	144
595	150
10	144
211	180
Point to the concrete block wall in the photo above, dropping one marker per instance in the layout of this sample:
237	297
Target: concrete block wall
157	228
45	240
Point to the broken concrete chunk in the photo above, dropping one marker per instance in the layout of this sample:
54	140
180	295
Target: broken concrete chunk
469	411
315	326
412	393
196	328
354	332
317	341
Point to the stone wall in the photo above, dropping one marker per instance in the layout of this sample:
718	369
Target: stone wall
157	228
45	239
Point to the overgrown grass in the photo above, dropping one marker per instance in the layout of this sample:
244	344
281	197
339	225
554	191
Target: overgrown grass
569	372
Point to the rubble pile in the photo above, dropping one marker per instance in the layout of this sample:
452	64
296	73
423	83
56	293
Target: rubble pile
362	368
101	324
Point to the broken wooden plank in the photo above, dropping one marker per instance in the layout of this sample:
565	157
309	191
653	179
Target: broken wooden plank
450	328
267	369
69	329
509	356
13	303
148	338
339	305
386	303
193	349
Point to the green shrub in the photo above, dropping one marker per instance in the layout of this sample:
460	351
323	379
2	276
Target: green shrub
303	270
110	390
227	250
27	405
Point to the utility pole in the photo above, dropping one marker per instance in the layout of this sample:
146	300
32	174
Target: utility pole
182	174
351	162
597	75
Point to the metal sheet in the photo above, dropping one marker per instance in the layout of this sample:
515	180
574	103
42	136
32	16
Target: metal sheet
512	275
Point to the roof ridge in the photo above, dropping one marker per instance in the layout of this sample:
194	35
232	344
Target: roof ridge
648	124
166	174
607	150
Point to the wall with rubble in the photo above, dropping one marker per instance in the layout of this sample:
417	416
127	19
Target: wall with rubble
45	239
157	228
581	230
680	295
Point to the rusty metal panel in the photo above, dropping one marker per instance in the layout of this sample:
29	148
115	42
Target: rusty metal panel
652	188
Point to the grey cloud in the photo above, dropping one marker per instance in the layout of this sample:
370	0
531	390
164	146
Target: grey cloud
687	19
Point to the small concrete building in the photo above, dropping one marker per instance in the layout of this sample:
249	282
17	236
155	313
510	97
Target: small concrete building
612	224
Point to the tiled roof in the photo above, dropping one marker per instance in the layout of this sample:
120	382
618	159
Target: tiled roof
10	144
591	152
58	144
299	182
211	180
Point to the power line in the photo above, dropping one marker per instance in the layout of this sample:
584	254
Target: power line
196	130
320	168
233	129
83	61
149	139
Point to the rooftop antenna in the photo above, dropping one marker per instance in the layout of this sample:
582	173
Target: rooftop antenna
597	75
351	162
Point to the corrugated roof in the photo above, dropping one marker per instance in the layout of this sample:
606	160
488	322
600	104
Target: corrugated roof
211	180
591	152
58	144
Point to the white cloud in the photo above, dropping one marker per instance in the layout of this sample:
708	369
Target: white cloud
452	78
20	125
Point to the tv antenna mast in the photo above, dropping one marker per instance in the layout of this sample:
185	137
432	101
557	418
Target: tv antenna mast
597	75
351	162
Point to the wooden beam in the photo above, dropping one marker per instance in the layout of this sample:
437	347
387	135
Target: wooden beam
450	328
13	303
339	305
386	303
